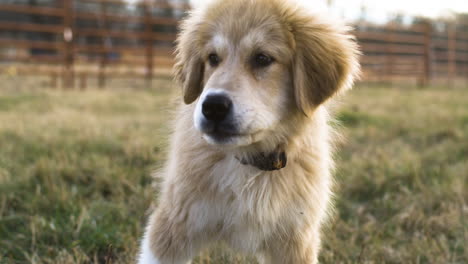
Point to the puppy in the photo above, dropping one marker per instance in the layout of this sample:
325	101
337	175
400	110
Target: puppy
250	158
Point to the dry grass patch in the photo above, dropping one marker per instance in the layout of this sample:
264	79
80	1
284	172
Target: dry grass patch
75	175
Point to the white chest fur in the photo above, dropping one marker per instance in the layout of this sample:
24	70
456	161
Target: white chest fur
245	205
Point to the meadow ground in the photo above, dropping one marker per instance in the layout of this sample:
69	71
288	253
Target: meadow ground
75	174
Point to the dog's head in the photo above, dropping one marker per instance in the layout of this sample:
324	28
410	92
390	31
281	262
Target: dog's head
252	66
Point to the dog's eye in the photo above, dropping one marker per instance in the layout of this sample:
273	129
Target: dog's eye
214	59
262	60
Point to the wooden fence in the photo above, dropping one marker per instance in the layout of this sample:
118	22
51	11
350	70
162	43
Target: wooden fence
103	43
425	52
75	49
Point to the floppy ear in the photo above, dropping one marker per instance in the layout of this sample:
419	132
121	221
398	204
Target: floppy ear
189	66
325	62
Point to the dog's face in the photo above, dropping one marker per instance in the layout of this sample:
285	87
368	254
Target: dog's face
246	85
252	66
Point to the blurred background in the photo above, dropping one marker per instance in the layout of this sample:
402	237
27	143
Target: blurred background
86	98
74	43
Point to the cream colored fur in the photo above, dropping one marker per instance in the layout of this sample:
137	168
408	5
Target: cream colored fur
207	195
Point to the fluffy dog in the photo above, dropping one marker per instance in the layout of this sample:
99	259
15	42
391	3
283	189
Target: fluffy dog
250	158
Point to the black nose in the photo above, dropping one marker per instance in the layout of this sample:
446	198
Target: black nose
216	107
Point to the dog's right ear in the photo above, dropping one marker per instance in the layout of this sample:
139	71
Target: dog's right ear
189	65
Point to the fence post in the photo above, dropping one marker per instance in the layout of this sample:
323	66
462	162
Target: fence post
83	81
390	28
149	42
425	79
53	80
68	37
104	54
463	29
451	52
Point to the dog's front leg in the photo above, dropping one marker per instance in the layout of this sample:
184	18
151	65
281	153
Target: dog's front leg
301	247
286	254
166	241
146	255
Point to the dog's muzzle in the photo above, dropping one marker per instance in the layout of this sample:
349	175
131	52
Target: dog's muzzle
217	117
216	108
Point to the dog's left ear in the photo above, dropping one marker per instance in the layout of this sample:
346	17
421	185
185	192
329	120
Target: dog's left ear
325	62
189	66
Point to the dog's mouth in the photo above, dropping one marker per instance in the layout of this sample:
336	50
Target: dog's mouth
222	136
231	137
219	133
228	138
266	161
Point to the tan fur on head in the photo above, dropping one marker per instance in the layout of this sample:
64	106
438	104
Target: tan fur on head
189	67
325	56
214	190
325	61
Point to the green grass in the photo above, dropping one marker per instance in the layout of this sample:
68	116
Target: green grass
75	175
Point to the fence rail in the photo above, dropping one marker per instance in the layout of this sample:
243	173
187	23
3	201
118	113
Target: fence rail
73	39
424	52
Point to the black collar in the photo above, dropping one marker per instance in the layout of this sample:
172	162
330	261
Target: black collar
275	160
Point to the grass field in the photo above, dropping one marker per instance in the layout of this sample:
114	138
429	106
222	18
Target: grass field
75	175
